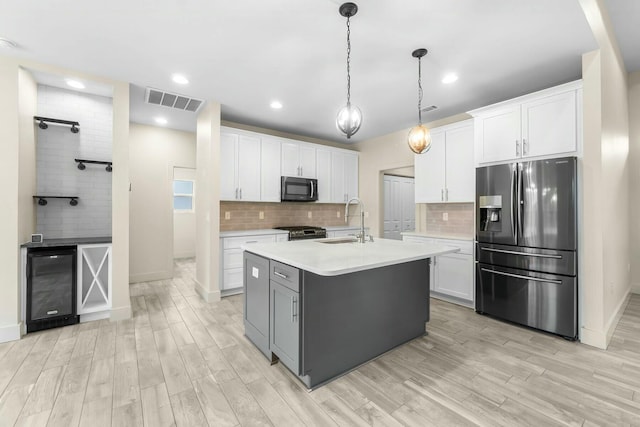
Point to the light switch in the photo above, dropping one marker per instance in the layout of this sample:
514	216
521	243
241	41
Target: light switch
227	215
261	215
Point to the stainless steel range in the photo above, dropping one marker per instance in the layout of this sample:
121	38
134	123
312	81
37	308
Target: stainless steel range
303	232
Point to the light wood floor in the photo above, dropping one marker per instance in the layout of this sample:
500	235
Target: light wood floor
182	362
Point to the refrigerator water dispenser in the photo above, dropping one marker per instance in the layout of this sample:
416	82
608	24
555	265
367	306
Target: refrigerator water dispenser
490	213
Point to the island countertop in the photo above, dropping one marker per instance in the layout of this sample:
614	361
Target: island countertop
327	259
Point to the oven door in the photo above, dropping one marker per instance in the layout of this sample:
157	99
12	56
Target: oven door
298	189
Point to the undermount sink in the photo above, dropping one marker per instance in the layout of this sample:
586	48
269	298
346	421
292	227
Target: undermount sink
338	240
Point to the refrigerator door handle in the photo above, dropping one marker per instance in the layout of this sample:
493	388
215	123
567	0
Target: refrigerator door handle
514	198
518	276
520	201
521	253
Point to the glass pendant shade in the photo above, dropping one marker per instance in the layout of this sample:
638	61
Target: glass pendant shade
419	139
349	120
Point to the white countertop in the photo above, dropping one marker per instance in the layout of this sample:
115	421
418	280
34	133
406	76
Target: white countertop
437	236
261	232
335	259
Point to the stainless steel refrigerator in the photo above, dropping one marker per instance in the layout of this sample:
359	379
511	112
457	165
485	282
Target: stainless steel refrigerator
526	244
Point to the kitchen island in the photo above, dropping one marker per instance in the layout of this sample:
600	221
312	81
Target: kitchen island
323	307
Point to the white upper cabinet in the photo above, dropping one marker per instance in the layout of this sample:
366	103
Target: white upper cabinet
239	167
270	170
549	125
298	159
228	166
344	176
323	172
445	173
542	124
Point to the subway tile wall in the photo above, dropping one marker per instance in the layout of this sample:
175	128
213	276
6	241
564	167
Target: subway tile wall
459	224
57	172
246	215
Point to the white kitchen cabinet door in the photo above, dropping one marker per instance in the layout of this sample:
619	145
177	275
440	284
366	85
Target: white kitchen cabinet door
460	178
549	125
94	278
307	161
498	134
454	276
430	172
338	187
351	174
270	170
290	159
249	168
228	166
323	171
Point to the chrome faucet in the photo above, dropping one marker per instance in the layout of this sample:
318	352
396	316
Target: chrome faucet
360	236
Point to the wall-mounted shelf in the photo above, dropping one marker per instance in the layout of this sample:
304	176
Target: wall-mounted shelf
44	120
81	164
42	200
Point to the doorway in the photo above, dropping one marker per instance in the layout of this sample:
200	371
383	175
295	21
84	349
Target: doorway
184	214
399	205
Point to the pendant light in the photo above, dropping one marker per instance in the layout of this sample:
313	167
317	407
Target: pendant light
349	117
419	137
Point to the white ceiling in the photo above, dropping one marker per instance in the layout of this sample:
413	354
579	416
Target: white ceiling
625	17
245	53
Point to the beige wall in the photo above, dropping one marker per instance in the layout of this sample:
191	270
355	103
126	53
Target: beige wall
208	202
634	176
605	274
384	153
154	152
27	107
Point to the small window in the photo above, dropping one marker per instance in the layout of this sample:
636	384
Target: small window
183	196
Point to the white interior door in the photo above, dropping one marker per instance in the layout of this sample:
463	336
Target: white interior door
399	206
184	219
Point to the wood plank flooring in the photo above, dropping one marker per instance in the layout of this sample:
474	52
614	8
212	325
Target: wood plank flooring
180	361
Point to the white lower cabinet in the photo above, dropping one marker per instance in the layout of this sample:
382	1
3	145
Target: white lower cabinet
94	281
451	274
232	271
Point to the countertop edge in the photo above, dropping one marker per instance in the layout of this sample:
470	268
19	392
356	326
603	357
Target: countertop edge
256	232
437	236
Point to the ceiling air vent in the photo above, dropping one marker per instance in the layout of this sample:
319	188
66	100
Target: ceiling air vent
172	100
429	108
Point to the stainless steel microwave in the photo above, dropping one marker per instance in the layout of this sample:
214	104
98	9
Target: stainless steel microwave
294	189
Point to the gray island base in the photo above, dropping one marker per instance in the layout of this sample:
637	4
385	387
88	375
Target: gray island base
321	327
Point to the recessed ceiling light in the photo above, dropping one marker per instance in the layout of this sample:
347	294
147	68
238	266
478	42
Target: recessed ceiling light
6	43
276	105
180	79
449	78
75	84
161	120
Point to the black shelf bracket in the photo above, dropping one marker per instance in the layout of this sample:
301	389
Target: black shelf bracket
44	120
81	164
42	200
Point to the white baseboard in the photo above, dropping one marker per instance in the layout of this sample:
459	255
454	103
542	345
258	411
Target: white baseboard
120	313
10	332
180	255
208	296
90	317
150	277
601	339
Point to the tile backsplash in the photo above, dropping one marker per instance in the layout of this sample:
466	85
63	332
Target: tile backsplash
460	222
246	215
57	172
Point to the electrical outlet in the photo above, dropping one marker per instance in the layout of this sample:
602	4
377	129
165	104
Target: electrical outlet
366	214
309	214
261	215
337	214
227	215
445	216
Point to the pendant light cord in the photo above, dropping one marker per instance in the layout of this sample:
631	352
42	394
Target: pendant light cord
348	60
420	90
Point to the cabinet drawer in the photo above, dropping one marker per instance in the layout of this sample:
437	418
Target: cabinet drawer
236	242
232	258
285	275
232	278
466	247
